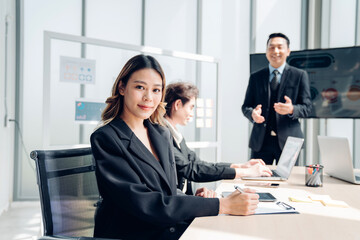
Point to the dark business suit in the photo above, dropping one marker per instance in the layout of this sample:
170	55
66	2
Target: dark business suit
139	192
294	83
190	167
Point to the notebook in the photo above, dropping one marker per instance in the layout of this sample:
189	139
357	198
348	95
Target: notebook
286	162
274	208
336	158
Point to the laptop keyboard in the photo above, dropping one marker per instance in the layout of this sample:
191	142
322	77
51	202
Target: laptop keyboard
275	173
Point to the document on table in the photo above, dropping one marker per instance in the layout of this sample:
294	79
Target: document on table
274	208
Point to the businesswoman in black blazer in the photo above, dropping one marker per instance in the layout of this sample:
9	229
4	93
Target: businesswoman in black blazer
180	101
135	166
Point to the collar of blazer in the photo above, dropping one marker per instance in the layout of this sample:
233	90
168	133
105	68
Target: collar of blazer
181	146
158	137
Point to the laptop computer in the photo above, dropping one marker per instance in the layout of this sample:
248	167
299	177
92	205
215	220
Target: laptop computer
286	162
336	158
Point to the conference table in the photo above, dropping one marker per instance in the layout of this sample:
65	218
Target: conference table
314	221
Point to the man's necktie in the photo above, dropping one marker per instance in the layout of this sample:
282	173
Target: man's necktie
274	81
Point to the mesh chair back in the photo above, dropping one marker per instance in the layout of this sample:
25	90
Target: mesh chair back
68	191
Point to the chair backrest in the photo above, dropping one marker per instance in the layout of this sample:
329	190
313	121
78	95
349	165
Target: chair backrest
68	191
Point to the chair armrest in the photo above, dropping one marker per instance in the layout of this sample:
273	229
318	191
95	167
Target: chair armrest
57	238
92	238
73	238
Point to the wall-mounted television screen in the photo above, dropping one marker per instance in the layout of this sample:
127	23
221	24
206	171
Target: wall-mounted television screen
334	76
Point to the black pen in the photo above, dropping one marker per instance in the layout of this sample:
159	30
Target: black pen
239	189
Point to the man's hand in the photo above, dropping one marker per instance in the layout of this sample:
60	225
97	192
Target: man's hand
284	108
256	115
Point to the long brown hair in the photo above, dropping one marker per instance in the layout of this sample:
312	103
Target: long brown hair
115	102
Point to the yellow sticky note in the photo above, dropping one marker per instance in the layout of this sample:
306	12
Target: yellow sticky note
300	199
334	203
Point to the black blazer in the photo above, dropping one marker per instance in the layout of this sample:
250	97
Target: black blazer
139	192
294	84
190	167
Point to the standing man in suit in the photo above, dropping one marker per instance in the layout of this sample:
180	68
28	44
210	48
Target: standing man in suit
276	97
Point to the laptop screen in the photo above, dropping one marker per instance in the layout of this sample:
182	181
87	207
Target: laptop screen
336	157
289	156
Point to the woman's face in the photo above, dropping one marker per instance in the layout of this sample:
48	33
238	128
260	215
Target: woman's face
142	94
183	113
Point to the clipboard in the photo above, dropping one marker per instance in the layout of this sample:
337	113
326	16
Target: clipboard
274	208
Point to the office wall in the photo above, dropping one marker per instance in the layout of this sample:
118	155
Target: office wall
7	101
277	16
114	20
171	24
39	15
233	48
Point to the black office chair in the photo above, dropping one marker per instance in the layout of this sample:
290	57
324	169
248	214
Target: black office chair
68	192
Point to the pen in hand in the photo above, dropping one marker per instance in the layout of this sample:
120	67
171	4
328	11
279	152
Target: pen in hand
239	189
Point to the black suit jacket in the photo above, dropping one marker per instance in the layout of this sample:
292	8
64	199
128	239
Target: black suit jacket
294	84
139	192
190	167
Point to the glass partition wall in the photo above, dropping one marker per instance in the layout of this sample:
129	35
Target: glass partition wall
60	98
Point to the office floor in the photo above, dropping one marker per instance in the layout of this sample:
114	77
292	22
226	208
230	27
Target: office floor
22	221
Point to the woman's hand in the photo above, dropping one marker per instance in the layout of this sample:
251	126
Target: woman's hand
206	193
248	164
255	170
239	203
